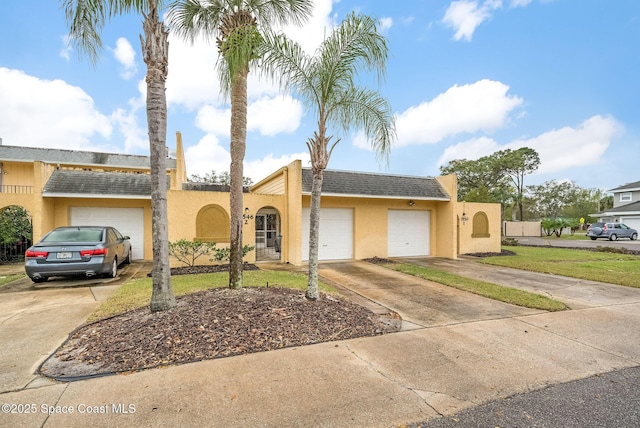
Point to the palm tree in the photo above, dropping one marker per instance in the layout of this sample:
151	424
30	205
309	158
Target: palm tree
237	27
85	19
325	82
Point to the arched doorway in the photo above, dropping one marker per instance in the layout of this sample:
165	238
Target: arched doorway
268	234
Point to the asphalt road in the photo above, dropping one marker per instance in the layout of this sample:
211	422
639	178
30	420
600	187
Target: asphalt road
607	400
587	243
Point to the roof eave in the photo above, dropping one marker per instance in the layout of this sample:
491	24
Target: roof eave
92	196
349	195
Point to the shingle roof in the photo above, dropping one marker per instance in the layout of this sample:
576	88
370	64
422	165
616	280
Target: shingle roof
98	184
632	207
206	187
76	157
375	185
628	186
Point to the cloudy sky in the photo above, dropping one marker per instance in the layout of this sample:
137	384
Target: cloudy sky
465	79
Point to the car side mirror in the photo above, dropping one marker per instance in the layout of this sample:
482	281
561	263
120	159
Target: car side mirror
126	237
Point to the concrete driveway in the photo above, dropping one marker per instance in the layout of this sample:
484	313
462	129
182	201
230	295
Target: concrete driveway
36	318
460	351
421	303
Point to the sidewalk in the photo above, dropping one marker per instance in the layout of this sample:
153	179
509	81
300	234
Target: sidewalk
382	381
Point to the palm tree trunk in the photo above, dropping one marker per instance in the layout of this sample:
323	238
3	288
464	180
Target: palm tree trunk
237	149
155	49
314	234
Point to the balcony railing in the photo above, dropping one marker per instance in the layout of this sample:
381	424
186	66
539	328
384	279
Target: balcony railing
14	188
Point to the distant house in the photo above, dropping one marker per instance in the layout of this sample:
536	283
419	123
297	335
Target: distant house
626	206
363	214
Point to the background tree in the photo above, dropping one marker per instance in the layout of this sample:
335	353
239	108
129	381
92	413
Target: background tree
213	178
550	198
516	164
236	26
325	83
15	225
86	18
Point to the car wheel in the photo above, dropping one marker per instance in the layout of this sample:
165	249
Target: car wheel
613	237
593	238
114	269
39	280
634	236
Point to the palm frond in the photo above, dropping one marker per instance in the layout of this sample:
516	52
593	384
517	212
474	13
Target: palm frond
354	46
284	61
365	110
87	18
189	19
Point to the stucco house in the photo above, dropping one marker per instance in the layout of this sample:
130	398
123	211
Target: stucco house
362	214
626	206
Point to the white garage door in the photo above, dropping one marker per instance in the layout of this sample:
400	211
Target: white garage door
129	221
632	222
408	233
336	234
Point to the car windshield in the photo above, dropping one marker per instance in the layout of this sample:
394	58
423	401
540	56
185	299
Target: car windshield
74	235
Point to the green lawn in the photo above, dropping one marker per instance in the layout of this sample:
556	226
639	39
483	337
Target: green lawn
5	279
621	269
137	293
510	295
580	235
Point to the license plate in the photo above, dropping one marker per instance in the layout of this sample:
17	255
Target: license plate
66	255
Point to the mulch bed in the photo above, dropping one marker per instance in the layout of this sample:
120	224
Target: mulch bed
211	324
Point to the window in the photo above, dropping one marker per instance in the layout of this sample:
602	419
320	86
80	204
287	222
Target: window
625	197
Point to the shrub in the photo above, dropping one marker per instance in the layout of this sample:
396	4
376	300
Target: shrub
223	254
188	252
510	242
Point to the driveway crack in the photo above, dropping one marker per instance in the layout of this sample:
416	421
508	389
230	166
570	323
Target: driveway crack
414	391
571	339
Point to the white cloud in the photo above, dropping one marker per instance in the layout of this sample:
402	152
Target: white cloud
214	120
480	106
559	149
135	137
465	16
314	31
65	52
472	149
274	115
47	113
269	116
262	168
192	81
569	147
385	24
126	56
208	155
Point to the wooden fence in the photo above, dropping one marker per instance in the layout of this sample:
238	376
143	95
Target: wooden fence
521	228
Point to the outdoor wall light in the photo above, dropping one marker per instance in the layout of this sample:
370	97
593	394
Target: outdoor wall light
411	203
464	218
246	216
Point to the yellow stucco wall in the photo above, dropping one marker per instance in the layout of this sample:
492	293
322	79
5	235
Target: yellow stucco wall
282	191
184	206
370	222
467	242
17	174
